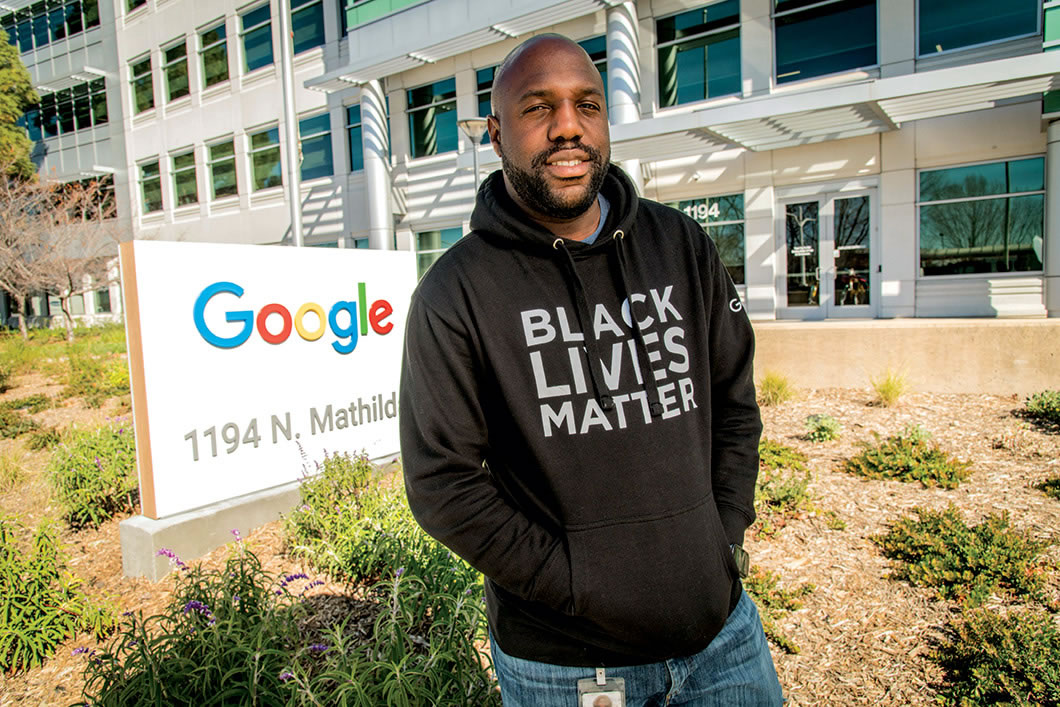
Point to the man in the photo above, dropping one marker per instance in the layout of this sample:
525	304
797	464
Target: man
578	417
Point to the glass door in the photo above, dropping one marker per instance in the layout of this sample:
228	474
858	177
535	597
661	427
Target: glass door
828	257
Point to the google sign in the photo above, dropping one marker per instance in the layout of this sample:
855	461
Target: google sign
250	363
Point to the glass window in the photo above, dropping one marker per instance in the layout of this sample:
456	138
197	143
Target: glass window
432	118
185	188
31	122
82	106
946	25
265	169
25	32
431	244
213	53
484	95
98	93
699	53
103	301
142	85
722	219
257	38
353	135
176	71
40	26
151	187
360	243
824	38
315	134
222	162
64	104
596	48
57	21
43	23
307	24
131	5
89	11
357	12
985	218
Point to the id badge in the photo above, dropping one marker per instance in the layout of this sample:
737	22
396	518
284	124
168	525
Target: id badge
602	692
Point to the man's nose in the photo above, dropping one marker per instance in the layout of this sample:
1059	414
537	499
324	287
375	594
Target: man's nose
566	122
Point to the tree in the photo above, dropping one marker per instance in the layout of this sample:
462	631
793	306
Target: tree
16	95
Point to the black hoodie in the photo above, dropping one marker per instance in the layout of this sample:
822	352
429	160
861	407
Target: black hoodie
579	423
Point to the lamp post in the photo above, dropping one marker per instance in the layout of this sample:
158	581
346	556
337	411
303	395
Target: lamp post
474	128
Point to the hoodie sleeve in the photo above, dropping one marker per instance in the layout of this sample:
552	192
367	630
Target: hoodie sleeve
736	421
450	490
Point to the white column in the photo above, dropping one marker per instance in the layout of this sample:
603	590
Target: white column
376	167
623	74
1051	247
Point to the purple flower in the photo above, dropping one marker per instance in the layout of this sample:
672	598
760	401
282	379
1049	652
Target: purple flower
286	675
235	597
79	651
400	571
200	608
173	559
235	532
120	430
290	578
318	648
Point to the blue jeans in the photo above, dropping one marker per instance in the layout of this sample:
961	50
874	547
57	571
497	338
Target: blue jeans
735	670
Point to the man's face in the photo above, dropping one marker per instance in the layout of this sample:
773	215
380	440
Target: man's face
551	130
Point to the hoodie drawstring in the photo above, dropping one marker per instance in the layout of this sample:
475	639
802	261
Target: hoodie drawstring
607	403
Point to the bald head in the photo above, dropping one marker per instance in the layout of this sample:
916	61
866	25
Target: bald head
528	53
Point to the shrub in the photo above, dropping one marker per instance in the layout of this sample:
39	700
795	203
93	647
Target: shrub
773	603
774	455
93	473
43	438
1044	406
11	473
14	423
937	549
774	389
41	604
1050	487
889	387
908	456
822	428
6	373
95	379
991	659
31	403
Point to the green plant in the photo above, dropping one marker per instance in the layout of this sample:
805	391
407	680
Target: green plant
93	473
937	549
774	455
994	659
889	386
11	473
41	604
774	389
14	423
822	428
1044	406
6	372
908	456
43	438
1050	487
95	379
773	603
31	403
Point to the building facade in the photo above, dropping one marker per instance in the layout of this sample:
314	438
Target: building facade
851	158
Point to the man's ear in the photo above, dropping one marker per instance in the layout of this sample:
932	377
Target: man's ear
493	127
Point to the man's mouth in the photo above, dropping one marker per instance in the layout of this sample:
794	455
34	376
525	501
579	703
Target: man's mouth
568	166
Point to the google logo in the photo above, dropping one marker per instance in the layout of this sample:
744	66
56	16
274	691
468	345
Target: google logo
358	315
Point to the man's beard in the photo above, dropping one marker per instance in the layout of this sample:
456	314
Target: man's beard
534	190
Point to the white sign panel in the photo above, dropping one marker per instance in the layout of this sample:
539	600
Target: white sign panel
249	363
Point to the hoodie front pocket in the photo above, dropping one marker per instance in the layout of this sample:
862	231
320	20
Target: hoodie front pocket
660	579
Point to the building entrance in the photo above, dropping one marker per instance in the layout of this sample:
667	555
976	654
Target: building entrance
827	256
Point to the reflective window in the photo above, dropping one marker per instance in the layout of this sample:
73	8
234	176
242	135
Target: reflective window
265	169
360	243
185	189
596	48
62	112
484	94
432	118
945	25
699	53
722	219
982	218
353	135
819	38
142	85
222	162
431	244
357	12
103	301
257	38
175	69
307	24
315	134
131	5
213	53
42	23
151	187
